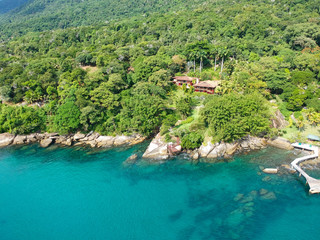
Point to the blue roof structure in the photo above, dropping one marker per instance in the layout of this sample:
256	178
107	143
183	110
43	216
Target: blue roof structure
313	137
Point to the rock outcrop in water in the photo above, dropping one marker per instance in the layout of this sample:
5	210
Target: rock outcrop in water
280	143
226	150
157	149
91	139
160	150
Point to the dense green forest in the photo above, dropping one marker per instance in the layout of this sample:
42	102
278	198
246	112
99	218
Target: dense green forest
40	15
115	78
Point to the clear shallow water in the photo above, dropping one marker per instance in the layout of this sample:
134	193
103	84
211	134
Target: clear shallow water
73	193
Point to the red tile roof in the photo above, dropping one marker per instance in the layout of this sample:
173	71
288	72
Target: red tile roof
208	84
184	78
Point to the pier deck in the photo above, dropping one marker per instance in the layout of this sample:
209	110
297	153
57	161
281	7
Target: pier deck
313	183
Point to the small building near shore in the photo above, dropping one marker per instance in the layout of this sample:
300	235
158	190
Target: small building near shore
206	86
188	81
312	137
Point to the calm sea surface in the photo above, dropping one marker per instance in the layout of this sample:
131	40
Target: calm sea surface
84	194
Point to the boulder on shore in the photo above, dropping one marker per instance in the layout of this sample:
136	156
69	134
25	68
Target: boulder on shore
6	139
104	141
46	142
19	139
32	138
280	143
121	140
78	136
206	148
157	150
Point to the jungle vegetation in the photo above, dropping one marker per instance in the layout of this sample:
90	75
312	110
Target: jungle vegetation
114	78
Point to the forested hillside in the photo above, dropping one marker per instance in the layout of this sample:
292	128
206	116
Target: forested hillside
39	15
116	78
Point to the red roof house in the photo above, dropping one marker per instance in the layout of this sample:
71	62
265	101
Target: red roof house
188	81
206	86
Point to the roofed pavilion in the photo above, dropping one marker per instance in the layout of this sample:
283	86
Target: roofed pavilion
188	81
206	86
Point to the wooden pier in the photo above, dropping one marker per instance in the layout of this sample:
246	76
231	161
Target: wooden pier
313	183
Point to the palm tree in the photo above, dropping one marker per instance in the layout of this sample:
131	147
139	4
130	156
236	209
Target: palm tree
193	55
201	54
223	53
300	123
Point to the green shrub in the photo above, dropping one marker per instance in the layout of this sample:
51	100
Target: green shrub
284	110
167	137
297	114
233	116
197	126
21	120
170	120
313	103
191	140
188	120
164	129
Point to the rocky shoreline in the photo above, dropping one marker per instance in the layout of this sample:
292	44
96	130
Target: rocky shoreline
91	139
159	150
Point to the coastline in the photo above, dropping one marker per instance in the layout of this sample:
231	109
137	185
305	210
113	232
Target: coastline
92	139
158	150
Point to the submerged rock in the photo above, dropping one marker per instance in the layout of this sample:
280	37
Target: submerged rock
266	179
238	197
263	191
131	160
269	196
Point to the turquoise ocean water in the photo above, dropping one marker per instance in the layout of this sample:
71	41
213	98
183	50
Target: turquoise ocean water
84	194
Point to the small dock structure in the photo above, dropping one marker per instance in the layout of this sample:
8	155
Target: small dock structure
313	183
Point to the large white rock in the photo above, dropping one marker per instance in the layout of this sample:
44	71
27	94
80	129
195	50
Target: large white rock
46	142
231	148
6	139
270	170
157	149
206	148
104	141
32	138
218	151
78	136
280	143
121	140
19	139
